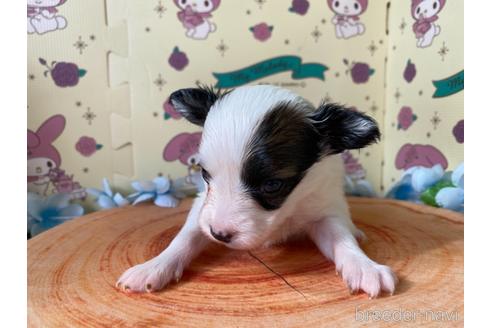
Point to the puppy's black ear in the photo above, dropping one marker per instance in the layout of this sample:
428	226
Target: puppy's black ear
341	128
194	103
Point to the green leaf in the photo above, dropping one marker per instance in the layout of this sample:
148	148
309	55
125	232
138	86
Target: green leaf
82	72
99	146
167	116
371	71
429	195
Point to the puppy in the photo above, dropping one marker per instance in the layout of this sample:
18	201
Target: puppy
271	165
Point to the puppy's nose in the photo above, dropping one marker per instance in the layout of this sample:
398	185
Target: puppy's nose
221	236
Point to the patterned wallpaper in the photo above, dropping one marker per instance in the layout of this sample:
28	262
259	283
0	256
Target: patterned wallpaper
99	75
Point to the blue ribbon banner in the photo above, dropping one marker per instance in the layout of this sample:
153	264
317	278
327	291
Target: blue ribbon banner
269	67
450	85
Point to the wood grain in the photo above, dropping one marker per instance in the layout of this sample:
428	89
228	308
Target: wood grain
72	270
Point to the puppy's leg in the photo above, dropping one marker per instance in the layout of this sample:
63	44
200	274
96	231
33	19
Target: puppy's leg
159	271
336	241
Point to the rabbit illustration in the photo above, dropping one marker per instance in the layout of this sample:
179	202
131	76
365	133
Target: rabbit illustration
42	16
425	14
42	157
195	16
347	22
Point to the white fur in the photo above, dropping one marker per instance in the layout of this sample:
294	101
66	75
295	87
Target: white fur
317	205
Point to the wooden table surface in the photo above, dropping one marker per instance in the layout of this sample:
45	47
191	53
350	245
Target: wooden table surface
72	270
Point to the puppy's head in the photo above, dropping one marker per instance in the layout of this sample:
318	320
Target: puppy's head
258	143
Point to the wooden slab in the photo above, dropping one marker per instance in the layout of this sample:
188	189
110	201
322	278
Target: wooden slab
72	270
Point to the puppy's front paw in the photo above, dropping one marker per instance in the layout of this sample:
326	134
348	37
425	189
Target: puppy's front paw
364	274
150	276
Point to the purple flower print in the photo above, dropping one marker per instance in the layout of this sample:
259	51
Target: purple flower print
262	31
299	7
459	131
87	146
406	117
178	59
63	74
410	71
360	72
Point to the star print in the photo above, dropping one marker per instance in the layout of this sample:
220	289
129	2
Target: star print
248	12
80	45
147	29
159	82
92	37
78	103
337	74
373	107
159	174
85	170
397	95
287	41
323	21
421	92
428	134
402	26
89	115
443	51
155	114
260	3
31	77
316	34
222	48
198	83
367	98
368	154
160	9
380	41
435	120
372	48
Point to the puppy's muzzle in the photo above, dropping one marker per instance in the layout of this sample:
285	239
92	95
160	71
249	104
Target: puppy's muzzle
224	237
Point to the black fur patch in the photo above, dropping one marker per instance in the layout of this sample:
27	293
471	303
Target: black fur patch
283	147
340	128
195	103
289	140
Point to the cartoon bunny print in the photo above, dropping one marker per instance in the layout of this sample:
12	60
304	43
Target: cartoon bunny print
194	15
425	14
44	160
346	19
42	16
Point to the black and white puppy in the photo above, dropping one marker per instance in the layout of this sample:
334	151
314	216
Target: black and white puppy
271	167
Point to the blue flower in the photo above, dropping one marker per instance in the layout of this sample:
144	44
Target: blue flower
159	189
106	198
45	213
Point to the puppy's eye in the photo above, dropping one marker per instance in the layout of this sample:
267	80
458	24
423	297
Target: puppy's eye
205	175
272	186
